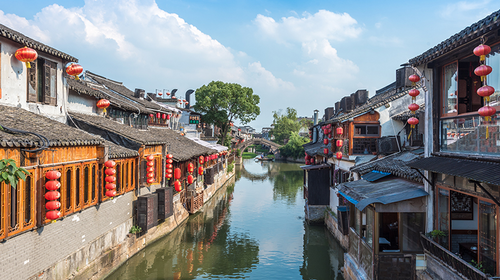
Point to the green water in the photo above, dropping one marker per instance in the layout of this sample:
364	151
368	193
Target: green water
252	229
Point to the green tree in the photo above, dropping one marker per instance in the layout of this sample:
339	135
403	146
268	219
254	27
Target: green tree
222	103
284	125
294	149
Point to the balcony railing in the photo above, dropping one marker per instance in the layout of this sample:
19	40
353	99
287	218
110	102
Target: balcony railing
451	259
471	135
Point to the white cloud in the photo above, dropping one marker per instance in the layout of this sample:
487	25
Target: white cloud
321	25
459	9
267	79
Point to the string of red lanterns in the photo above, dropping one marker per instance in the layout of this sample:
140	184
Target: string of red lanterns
485	90
150	169
168	166
339	143
110	178
52	195
413	121
177	176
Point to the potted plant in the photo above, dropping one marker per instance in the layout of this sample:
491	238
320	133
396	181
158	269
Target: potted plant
437	235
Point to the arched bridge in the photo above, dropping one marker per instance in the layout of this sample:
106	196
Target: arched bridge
273	147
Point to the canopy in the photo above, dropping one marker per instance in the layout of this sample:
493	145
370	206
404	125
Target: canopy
217	147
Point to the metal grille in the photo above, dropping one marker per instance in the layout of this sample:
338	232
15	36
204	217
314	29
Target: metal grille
395	266
439	252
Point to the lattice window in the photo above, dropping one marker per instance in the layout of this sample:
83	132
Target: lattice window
17	207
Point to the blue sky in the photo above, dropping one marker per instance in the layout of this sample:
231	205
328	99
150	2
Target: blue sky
301	54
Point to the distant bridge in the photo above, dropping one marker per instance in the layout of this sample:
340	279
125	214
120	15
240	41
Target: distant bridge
273	147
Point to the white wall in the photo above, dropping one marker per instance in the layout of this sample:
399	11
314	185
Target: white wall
81	103
467	224
14	82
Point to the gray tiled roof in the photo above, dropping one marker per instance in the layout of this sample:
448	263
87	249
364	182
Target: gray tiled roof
117	151
404	116
470	33
394	164
143	137
181	148
28	42
57	133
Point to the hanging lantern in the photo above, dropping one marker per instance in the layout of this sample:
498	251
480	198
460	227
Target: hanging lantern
110	164
164	116
174	97
168	116
150	163
111	193
178	186
200	170
413	107
150	180
53	175
482	51
340	130
414	93
177	173
187	103
169	156
160	93
74	70
200	160
150	175
168	93
26	55
414	79
169	166
487	112
157	115
483	71
338	155
103	104
110	171
325	141
170	161
110	186
169	171
207	159
190	179
150	157
413	121
150	169
52	205
169	176
325	151
52	185
110	179
151	115
339	143
190	167
53	215
52	195
485	91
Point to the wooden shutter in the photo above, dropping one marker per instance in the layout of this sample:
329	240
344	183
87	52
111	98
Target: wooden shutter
32	82
49	72
53	84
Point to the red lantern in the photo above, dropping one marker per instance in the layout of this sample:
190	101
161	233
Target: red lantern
52	205
111	193
103	104
200	160
190	168
110	186
169	166
177	173
200	170
110	179
53	175
487	112
178	186
325	151
74	70
110	171
170	161
52	195
339	143
168	176
169	156
110	163
482	51
174	97
340	130
413	121
168	93
150	163
325	141
485	91
53	215
339	155
150	157
150	169
207	159
413	107
52	185
414	78
151	115
150	180
26	55
414	93
190	179
164	116
168	117
157	115
151	175
169	171
483	71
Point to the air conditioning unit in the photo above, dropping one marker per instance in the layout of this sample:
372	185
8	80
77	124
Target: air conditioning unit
165	202
388	145
147	211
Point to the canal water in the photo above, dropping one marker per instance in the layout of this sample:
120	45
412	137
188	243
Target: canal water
253	228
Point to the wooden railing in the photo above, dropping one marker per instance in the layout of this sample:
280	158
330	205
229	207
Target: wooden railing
452	260
194	201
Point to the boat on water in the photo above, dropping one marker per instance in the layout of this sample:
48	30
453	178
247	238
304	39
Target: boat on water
263	158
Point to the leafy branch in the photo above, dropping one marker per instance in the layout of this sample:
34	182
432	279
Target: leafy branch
10	173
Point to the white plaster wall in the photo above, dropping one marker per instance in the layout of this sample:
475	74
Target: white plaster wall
14	83
81	103
334	200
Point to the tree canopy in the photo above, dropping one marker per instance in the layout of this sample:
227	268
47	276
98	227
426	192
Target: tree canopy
284	125
294	148
222	103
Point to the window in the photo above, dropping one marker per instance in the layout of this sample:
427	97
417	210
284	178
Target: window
366	130
449	95
42	82
17	207
125	179
493	60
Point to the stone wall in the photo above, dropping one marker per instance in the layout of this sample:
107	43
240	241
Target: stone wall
315	214
352	271
331	223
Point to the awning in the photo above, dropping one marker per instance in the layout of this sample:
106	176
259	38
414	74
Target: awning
374	175
217	147
481	171
363	193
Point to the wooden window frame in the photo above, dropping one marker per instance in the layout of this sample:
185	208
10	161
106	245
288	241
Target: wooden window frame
41	81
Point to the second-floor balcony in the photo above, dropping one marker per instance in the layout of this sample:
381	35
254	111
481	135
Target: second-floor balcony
470	135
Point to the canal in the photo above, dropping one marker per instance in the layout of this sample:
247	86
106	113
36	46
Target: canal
253	228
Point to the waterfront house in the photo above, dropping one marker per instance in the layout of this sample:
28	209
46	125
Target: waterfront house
462	159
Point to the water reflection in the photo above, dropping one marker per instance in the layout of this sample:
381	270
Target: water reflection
252	229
